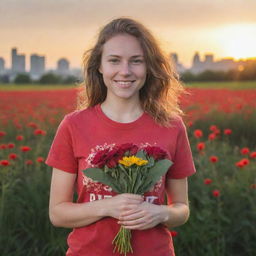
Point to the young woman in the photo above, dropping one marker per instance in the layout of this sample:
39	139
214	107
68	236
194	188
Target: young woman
130	96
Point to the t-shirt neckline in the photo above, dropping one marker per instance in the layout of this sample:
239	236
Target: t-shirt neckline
139	121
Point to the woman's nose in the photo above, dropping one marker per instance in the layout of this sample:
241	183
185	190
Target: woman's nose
125	69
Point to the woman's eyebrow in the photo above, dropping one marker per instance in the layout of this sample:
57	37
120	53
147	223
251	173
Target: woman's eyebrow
134	56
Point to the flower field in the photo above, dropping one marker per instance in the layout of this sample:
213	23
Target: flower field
221	125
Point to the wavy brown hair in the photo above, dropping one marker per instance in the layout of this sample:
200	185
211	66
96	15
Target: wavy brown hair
160	94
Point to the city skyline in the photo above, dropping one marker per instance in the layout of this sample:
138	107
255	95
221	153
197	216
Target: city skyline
24	58
66	28
37	67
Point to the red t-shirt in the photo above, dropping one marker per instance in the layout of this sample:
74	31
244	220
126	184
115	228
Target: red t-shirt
81	133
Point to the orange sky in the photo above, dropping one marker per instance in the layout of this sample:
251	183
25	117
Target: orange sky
65	28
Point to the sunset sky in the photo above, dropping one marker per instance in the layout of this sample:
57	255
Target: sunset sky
65	28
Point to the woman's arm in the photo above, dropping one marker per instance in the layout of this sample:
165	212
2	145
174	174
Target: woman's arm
176	212
147	215
64	213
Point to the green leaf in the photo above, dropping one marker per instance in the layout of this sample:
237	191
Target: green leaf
98	175
141	155
155	173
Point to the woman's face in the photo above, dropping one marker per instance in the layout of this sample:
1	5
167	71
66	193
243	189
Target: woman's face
123	67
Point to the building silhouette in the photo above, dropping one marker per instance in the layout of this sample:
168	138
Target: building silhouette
208	63
18	62
175	61
63	67
2	68
37	66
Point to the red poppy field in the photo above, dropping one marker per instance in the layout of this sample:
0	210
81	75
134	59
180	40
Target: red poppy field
221	125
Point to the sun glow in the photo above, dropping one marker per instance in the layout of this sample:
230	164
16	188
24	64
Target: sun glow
238	40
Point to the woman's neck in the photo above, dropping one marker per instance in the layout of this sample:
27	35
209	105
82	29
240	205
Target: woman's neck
123	112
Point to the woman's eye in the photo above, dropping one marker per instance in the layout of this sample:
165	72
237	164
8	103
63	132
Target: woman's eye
114	60
137	61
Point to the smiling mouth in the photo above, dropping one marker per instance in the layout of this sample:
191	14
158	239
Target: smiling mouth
124	84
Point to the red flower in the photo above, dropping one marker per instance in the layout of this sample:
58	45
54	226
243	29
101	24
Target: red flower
253	186
3	146
25	148
31	124
253	154
4	162
40	159
200	146
216	193
227	131
133	149
212	136
207	181
213	128
19	137
29	162
190	123
13	156
198	133
214	159
2	134
243	162
11	145
156	152
173	233
100	158
245	151
39	132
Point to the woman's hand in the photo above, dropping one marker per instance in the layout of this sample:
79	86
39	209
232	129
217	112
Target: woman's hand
143	216
121	203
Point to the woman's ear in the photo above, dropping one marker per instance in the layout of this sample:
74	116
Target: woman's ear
99	69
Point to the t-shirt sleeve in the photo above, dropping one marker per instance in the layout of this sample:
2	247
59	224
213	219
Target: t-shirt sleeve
183	164
61	154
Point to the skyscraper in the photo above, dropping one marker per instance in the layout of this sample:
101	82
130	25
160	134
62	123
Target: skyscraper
18	62
1	66
37	66
63	66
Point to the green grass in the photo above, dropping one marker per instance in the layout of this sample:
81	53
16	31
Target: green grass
28	87
211	85
223	85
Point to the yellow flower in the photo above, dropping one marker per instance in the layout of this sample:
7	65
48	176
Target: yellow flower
128	161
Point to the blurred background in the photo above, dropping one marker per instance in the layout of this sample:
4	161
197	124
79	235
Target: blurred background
213	47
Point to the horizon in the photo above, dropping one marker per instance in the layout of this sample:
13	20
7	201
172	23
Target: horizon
65	29
27	59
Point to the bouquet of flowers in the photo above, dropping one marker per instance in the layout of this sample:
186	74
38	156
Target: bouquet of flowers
128	169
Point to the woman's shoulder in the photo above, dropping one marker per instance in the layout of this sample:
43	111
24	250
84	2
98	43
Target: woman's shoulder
177	122
81	114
